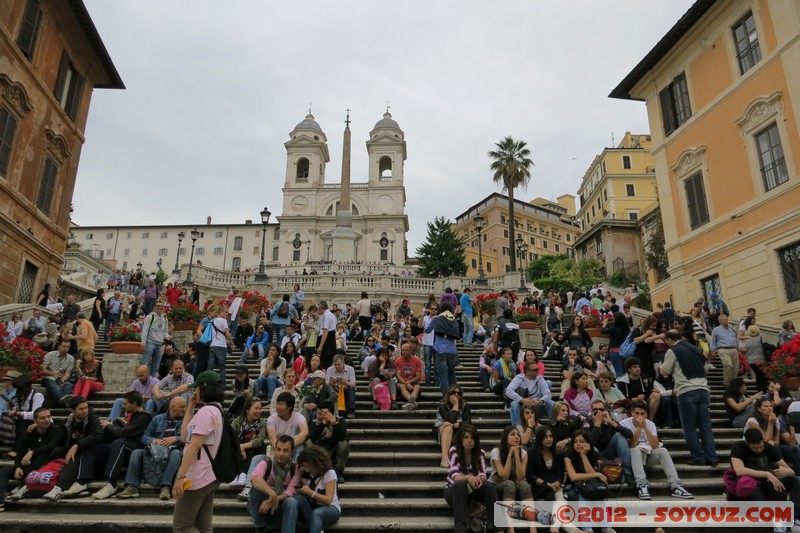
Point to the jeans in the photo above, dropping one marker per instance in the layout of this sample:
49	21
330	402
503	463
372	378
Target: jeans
194	510
155	406
259	349
116	409
657	457
56	391
445	369
136	463
271	382
617	447
152	356
216	360
543	412
430	367
260	519
111	320
458	497
693	407
278	332
618	362
317	516
469	328
148	305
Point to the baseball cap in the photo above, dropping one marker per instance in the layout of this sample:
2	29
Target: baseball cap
207	377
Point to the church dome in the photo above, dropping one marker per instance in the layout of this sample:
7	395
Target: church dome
386	122
308	124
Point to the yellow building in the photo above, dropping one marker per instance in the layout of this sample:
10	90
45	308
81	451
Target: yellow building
722	90
618	187
546	227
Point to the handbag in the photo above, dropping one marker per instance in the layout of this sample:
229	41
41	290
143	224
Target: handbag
592	489
205	338
738	486
612	469
627	348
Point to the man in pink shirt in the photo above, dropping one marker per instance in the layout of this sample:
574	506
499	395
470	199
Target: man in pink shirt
274	481
408	371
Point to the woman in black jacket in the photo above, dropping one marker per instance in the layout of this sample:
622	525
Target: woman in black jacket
617	329
452	411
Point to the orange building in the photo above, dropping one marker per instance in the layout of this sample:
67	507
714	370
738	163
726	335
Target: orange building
51	59
722	90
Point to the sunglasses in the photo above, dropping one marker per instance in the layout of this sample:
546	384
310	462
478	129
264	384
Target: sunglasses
456	392
597	411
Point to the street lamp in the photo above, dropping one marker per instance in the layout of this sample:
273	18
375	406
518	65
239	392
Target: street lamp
481	281
194	236
522	253
262	275
158	264
177	269
391	257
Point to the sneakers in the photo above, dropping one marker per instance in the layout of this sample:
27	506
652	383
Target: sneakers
165	493
129	492
244	495
77	489
65	399
240	481
679	492
408	406
18	493
107	491
644	494
413	403
54	494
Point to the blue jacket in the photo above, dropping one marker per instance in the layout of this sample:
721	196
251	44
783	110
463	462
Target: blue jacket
263	342
157	427
275	319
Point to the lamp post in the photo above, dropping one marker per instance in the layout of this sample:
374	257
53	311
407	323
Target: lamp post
262	275
177	269
522	253
391	257
158	264
194	236
481	281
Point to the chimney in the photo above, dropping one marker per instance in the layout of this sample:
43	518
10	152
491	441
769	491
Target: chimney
248	221
208	221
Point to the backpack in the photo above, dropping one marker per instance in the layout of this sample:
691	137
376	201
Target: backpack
41	481
382	397
283	310
627	348
205	338
228	462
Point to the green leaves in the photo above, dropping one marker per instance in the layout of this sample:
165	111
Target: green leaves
442	253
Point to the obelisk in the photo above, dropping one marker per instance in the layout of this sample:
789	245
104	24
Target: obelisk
343	236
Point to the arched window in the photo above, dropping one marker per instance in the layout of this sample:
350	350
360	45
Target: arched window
236	264
238	242
385	168
302	169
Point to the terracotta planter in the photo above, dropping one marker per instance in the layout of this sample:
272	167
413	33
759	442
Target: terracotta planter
184	326
527	324
124	347
790	383
594	332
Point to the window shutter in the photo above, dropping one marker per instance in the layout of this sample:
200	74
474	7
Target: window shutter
667	110
75	96
47	186
29	28
8	124
63	68
702	205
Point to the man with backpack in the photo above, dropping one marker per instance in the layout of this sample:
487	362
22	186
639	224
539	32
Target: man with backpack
274	480
280	317
155	330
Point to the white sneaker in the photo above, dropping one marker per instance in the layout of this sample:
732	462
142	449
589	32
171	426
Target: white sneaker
408	406
18	493
107	491
244	495
54	494
75	490
240	481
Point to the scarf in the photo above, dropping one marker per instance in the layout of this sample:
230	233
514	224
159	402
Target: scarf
249	429
280	475
506	369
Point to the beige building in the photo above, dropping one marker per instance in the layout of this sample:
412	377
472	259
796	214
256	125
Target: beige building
51	61
618	187
722	90
546	227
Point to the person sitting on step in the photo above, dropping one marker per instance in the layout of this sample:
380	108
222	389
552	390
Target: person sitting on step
243	388
529	388
252	433
581	463
317	498
451	413
256	344
175	384
609	437
290	386
381	370
271	370
143	384
342	378
510	463
286	421
636	387
505	369
486	364
274	479
329	431
408	369
321	391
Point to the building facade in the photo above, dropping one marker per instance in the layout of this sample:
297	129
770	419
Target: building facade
548	228
722	90
51	60
616	190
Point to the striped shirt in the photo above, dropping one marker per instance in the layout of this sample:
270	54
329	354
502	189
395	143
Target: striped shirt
457	470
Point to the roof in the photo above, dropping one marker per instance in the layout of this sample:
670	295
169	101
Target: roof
662	48
386	122
82	16
308	123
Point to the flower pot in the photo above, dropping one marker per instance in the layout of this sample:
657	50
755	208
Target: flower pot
528	324
595	332
790	383
124	347
184	326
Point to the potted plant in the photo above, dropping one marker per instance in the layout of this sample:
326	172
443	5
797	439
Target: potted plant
785	365
253	302
20	354
126	339
185	317
527	317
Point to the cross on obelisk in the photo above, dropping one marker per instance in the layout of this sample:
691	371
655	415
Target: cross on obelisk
347	120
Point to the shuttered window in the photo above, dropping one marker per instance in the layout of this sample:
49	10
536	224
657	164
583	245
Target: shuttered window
8	124
44	200
29	29
696	198
675	106
69	86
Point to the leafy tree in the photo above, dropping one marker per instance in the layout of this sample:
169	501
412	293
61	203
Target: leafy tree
540	268
442	253
511	164
567	272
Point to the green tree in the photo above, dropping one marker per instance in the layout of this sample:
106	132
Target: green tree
442	253
511	164
540	268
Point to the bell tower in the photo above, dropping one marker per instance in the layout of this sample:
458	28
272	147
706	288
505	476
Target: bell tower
306	155
387	153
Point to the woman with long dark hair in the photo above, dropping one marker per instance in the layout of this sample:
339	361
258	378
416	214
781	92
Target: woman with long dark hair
545	471
252	432
510	462
466	479
577	337
98	309
582	464
272	367
451	413
617	329
738	405
317	498
26	401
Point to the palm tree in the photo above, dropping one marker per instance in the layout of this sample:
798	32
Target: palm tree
512	168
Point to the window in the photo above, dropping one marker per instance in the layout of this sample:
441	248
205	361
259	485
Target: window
569	237
124	266
144	252
182	251
770	153
544	244
503	219
696	200
256	250
474	263
126	252
506	251
485	237
789	260
162	252
598	244
276	235
89	236
598	203
630	190
46	187
384	255
27	282
236	264
28	30
675	108
108	252
533	241
711	284
200	251
258	233
302	169
626	162
238	242
605	195
748	52
488	266
129	235
109	235
296	255
218	250
534	257
558	248
69	86
592	214
603	166
275	252
633	215
218	234
164	234
8	125
145	235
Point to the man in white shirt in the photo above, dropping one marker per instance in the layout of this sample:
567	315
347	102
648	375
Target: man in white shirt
326	335
221	340
233	310
291	335
287	421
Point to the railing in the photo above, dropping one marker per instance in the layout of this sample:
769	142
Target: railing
78	260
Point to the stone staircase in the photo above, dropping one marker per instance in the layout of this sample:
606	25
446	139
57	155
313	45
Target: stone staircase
393	478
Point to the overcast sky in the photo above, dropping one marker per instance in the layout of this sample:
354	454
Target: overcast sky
214	88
